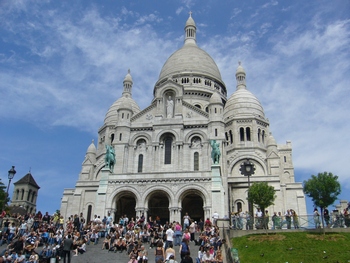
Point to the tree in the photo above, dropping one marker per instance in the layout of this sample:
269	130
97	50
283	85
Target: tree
3	195
261	194
323	189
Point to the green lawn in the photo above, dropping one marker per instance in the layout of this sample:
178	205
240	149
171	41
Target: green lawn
293	248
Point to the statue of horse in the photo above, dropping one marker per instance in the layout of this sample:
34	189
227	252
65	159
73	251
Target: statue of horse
215	152
110	157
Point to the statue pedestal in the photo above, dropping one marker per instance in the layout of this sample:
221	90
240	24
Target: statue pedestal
217	191
101	193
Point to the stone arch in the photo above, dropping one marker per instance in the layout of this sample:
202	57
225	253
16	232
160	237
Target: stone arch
117	192
124	202
236	204
98	169
192	201
236	162
167	131
140	135
198	188
157	203
201	134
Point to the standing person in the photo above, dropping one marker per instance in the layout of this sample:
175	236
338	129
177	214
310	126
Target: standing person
46	218
184	248
316	218
159	252
295	219
192	229
178	234
186	219
169	237
248	224
326	216
288	216
259	217
215	217
266	219
67	246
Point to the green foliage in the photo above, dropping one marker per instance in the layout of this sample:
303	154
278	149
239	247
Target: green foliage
3	195
261	194
323	189
293	247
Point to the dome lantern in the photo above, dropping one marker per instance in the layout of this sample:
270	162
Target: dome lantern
240	76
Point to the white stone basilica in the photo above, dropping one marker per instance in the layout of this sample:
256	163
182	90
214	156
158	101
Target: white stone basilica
163	153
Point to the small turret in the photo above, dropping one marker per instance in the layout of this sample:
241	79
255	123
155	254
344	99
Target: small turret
240	76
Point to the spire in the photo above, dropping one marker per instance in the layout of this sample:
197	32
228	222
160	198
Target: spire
190	31
127	83
240	76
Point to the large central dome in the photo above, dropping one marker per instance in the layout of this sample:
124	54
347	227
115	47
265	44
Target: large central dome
190	58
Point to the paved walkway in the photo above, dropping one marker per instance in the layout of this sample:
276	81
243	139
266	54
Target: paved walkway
94	254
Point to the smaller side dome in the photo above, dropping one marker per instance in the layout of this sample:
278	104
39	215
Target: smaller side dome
215	99
271	141
91	148
243	103
125	102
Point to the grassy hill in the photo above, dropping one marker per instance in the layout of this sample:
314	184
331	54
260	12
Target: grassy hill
293	247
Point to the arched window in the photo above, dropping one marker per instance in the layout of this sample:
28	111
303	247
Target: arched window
17	194
167	153
241	134
196	161
33	196
88	217
140	164
263	137
239	206
22	196
112	137
28	196
231	137
247	133
259	134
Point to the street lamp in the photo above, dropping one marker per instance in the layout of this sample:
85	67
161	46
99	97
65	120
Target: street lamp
248	169
11	174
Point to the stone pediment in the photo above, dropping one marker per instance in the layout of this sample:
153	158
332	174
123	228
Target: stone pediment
191	111
145	115
273	155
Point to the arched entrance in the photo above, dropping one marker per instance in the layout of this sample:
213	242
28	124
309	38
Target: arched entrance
158	206
125	205
192	203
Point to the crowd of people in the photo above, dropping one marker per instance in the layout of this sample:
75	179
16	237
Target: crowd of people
35	238
288	220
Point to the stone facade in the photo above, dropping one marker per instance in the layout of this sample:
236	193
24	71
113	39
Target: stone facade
25	194
163	163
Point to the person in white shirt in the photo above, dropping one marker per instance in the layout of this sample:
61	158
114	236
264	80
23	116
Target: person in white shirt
215	217
169	237
207	257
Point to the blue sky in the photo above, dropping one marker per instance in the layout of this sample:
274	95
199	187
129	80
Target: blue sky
62	64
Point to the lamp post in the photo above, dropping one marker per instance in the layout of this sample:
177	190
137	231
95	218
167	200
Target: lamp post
11	174
248	169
